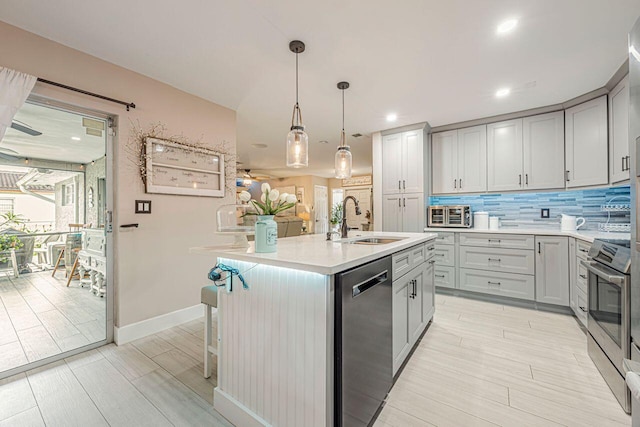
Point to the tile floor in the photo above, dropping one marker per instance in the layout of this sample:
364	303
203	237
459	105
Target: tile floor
479	364
488	364
41	317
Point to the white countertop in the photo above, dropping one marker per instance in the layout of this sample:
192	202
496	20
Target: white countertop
314	253
587	235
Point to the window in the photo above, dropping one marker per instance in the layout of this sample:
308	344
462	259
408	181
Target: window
68	194
6	206
336	196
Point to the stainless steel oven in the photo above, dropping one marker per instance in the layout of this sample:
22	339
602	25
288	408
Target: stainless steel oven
449	216
608	323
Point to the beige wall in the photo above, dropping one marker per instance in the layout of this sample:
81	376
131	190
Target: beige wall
154	273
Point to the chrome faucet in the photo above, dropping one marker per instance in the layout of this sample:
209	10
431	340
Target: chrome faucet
344	229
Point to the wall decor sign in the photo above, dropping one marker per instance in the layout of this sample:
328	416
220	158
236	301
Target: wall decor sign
356	181
173	168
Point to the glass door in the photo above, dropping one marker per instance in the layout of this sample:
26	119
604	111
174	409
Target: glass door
55	251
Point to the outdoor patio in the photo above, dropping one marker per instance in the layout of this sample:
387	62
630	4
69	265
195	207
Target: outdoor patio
41	317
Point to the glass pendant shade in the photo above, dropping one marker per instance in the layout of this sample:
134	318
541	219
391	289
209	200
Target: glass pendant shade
343	162
297	148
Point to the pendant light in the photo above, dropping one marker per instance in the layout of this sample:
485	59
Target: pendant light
343	155
297	139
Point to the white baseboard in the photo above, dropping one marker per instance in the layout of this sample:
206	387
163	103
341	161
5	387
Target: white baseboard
234	411
156	324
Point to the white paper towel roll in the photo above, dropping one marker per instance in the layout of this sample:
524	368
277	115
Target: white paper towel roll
481	220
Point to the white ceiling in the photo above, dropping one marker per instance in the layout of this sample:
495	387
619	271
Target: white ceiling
426	60
58	128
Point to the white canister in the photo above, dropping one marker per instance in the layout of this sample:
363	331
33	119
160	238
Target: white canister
481	220
494	223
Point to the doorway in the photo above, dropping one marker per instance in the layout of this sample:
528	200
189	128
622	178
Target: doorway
55	252
321	209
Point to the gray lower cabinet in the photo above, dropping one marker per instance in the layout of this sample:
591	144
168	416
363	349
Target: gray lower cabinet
504	284
552	270
518	261
445	276
412	300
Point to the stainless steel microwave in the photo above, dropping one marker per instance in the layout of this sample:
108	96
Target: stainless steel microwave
449	216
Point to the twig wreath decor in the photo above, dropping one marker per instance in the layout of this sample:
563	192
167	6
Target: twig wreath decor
136	150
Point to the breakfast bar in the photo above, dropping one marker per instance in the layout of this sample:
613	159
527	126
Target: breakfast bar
279	340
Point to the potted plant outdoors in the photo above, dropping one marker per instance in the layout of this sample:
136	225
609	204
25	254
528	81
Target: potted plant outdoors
271	203
336	216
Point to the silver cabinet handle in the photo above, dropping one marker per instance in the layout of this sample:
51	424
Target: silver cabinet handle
404	202
583	309
598	271
526	179
440	275
399	203
494	240
455	183
520	179
584	250
404	187
399	188
539	247
628	167
494	259
623	169
583	276
566	175
461	183
493	283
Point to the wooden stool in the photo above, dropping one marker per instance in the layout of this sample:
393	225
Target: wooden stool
74	267
53	274
208	297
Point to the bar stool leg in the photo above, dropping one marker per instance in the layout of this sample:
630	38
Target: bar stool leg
207	341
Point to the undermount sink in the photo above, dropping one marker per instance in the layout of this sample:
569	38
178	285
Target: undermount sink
375	240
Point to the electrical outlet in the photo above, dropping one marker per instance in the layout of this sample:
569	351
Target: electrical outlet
544	213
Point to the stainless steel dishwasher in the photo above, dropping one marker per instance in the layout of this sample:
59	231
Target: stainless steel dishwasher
363	342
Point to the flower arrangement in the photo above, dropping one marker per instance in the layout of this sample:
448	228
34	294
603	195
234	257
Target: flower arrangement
271	201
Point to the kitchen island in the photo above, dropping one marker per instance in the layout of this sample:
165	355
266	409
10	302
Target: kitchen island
279	340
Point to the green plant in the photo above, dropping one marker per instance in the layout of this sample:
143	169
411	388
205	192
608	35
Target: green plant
8	242
11	220
336	214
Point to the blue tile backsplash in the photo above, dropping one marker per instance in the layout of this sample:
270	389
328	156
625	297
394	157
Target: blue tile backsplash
523	209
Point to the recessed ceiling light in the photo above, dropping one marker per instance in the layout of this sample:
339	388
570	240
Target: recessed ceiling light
259	145
323	141
501	93
392	117
75	138
507	26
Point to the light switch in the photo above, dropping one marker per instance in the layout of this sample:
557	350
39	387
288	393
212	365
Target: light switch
143	206
544	213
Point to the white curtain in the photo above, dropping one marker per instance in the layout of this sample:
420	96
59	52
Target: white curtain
15	87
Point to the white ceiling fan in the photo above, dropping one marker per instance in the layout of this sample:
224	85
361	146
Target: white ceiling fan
249	178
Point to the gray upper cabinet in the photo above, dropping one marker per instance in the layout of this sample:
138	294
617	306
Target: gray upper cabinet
459	161
543	151
586	151
619	132
504	156
552	270
402	170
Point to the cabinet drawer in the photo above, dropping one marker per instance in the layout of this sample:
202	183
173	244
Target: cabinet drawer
514	241
582	276
504	260
445	277
446	238
490	282
582	307
445	255
430	250
582	249
405	261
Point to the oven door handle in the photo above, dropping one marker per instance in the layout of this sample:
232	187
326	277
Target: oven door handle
615	279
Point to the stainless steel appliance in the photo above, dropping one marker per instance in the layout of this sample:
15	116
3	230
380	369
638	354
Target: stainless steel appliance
634	163
363	363
449	216
609	337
